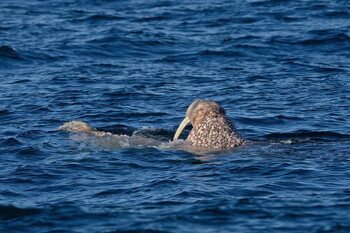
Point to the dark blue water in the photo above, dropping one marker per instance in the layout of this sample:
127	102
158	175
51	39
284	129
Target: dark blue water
280	69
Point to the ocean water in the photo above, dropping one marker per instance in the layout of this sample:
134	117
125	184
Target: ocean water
280	68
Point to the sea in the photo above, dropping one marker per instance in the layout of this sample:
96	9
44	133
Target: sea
280	69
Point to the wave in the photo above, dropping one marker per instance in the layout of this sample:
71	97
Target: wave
8	52
11	56
11	141
270	120
98	17
4	112
202	54
312	135
324	37
335	14
9	212
148	19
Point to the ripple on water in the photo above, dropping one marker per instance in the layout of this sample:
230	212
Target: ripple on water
9	212
279	68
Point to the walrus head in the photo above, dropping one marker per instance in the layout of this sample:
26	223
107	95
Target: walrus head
196	112
212	128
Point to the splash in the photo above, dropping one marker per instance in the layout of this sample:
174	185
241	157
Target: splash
88	136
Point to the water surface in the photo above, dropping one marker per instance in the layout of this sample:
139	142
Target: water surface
279	68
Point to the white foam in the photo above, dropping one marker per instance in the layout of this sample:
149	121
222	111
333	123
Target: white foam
80	132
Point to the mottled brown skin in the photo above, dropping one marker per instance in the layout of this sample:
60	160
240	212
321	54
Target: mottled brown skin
212	128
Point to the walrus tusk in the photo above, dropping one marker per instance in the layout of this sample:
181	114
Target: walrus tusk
181	127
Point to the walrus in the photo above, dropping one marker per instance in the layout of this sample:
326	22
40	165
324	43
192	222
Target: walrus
212	131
